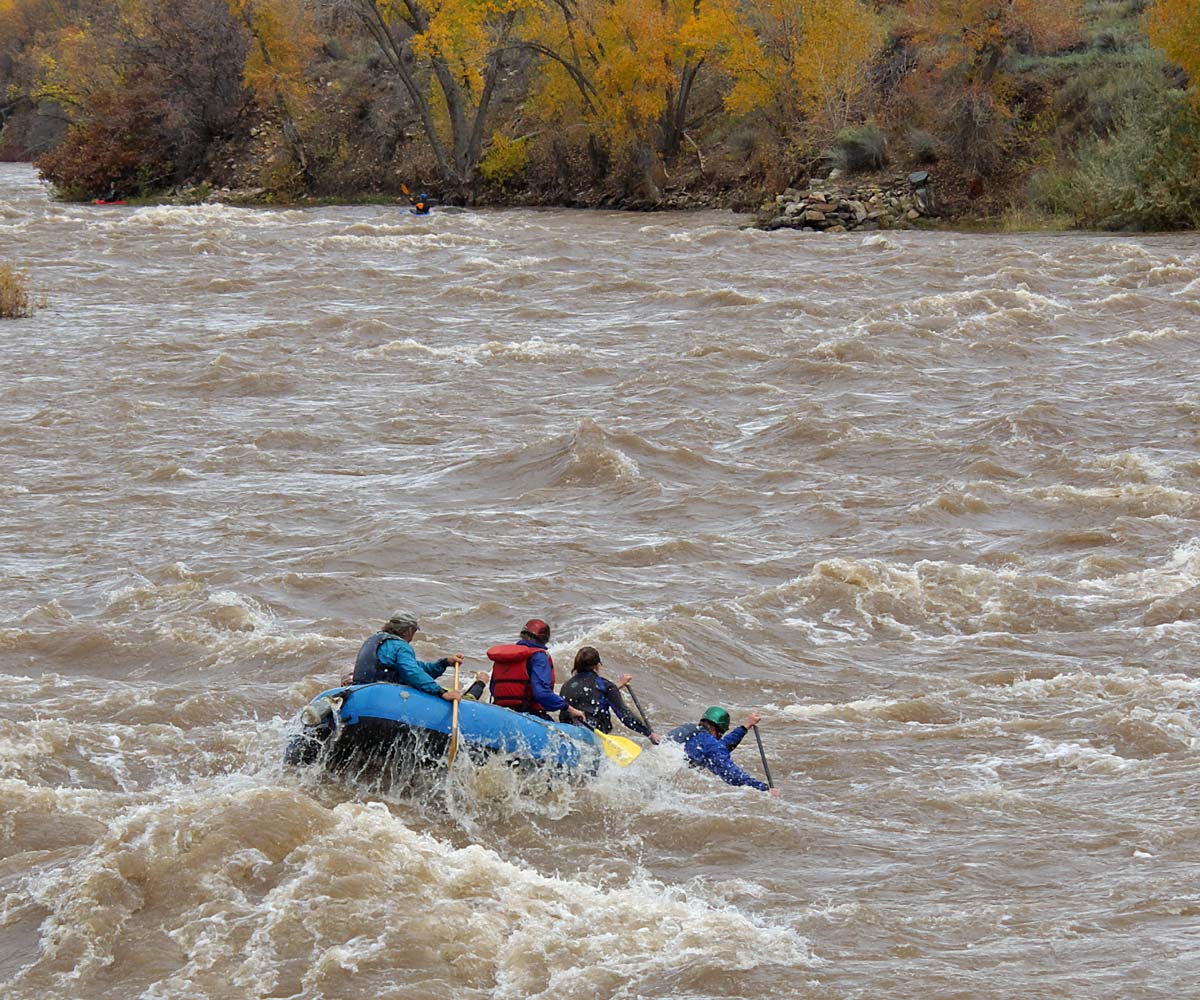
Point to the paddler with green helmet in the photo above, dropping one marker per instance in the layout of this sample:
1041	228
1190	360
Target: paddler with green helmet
709	743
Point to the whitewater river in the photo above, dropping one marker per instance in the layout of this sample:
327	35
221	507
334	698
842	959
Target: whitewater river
928	501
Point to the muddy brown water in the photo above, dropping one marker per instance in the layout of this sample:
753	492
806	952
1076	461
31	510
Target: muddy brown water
928	501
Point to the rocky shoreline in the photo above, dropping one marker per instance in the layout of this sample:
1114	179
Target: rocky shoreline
832	206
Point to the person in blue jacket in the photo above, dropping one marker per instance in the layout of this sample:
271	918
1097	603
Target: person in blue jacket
587	691
388	656
709	745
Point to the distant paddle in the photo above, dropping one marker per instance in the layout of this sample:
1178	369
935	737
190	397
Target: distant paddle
638	705
452	748
763	754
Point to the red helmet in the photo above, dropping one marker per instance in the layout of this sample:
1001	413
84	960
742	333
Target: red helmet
538	629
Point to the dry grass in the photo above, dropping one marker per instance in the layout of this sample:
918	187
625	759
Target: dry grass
15	301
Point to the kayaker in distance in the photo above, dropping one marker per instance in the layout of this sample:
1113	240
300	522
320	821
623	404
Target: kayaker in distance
708	745
590	693
388	656
523	674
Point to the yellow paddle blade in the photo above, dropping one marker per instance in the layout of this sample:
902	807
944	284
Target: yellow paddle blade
620	749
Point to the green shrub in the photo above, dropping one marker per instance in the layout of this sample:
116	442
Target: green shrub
922	145
15	302
859	149
505	160
1144	176
1094	97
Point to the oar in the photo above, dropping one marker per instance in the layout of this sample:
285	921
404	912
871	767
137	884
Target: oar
623	751
638	705
407	194
620	749
763	754
452	749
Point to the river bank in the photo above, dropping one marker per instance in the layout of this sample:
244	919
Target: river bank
928	501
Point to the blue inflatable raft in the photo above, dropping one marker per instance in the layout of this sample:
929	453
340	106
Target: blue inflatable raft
408	727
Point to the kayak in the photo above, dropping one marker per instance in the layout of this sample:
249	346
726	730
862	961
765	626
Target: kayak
398	724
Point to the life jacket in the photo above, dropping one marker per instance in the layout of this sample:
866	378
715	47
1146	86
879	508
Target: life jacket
367	668
585	692
681	734
510	676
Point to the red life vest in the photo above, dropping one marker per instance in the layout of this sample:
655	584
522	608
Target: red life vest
510	676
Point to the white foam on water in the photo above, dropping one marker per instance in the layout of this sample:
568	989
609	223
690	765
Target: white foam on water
845	711
421	239
1135	465
638	640
534	349
1165	337
1137	499
1077	756
260	889
1178	573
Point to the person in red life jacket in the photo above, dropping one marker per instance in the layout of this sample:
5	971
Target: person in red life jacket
388	656
523	674
595	696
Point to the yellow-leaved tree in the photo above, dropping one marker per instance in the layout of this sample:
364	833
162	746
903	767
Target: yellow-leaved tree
797	60
283	44
627	70
1175	28
448	56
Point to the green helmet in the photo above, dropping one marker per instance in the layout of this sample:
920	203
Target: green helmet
718	717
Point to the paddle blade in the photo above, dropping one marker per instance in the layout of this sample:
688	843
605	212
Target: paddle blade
618	748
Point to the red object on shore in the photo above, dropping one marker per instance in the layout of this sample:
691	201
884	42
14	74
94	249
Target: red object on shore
100	201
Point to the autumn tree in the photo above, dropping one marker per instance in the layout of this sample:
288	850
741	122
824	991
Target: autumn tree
448	57
965	46
171	95
283	40
628	70
799	60
1175	28
52	53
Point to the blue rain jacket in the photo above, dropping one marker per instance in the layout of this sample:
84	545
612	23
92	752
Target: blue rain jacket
540	678
706	751
397	654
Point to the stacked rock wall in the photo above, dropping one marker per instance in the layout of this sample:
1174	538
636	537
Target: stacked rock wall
830	206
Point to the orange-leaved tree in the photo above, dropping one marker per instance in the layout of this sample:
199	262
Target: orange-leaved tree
974	37
964	47
448	56
1175	28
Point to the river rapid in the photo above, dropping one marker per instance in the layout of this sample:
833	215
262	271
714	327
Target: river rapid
928	501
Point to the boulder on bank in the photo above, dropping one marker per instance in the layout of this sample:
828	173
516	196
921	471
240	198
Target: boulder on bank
830	206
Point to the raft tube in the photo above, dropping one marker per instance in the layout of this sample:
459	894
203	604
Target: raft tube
398	722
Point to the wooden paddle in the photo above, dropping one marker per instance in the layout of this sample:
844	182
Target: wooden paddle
452	748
